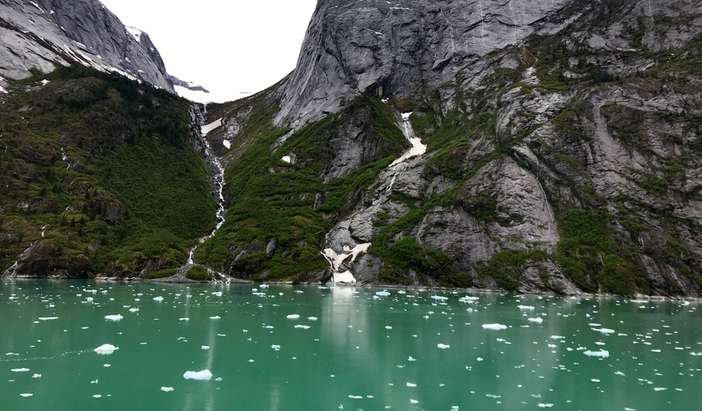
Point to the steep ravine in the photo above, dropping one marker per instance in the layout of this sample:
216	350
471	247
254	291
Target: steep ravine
342	253
217	176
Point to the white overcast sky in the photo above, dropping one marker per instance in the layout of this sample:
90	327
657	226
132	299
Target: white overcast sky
231	47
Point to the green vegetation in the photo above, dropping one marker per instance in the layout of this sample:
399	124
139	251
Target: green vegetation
292	205
507	267
591	254
131	191
198	273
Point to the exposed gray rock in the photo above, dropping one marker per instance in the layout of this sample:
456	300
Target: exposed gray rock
398	47
46	34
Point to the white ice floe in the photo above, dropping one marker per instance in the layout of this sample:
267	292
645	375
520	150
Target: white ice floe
207	129
20	370
106	349
536	320
48	318
544	405
114	317
204	375
526	307
383	293
167	389
443	346
494	327
605	331
275	347
293	317
597	354
158	299
26	395
468	299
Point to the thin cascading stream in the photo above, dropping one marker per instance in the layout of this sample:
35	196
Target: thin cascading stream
217	175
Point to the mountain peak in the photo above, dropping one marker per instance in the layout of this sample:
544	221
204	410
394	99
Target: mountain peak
47	34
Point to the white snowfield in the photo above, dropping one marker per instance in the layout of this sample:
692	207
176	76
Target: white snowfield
207	129
336	260
418	148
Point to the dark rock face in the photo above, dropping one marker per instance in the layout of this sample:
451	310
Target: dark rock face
47	34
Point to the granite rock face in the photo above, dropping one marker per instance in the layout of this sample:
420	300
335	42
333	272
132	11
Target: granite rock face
563	143
46	34
399	47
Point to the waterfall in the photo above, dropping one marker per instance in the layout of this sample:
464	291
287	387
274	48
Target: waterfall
217	171
339	262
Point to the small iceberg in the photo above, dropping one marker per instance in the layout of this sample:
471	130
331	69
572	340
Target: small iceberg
494	327
106	349
204	375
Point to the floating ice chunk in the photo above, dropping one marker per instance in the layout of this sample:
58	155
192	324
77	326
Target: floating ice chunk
544	405
158	299
605	331
526	307
275	347
494	327
443	346
293	317
302	327
20	370
133	310
468	299
167	389
696	354
48	318
106	349
439	297
383	293
204	375
215	317
597	354
36	376
204	347
312	318
114	317
411	385
536	320
26	395
411	359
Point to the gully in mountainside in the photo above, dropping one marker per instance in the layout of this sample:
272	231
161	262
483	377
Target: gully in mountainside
340	262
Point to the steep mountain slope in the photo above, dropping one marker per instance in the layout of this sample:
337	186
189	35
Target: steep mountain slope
562	149
45	34
100	176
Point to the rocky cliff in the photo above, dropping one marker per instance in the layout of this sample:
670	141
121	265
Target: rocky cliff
45	34
521	145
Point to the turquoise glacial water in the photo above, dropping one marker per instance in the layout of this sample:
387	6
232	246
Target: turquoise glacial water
310	348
